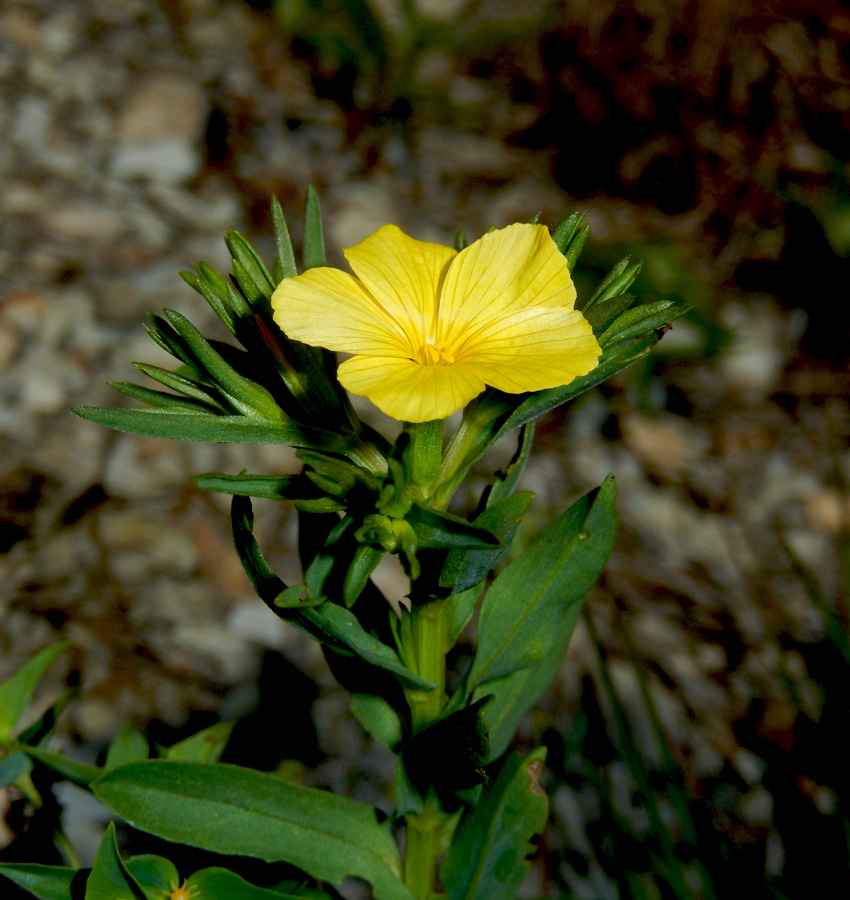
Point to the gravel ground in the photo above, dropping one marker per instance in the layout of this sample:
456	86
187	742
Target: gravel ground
135	133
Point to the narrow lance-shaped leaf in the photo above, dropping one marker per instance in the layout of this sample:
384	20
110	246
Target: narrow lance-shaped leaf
17	691
564	232
247	257
614	283
231	810
270	487
43	727
155	875
128	746
216	883
443	530
109	878
159	399
313	253
160	423
573	252
12	767
643	318
284	264
194	390
328	623
247	396
72	769
489	853
601	315
216	301
464	569
513	695
614	359
42	882
507	483
253	292
204	747
527	602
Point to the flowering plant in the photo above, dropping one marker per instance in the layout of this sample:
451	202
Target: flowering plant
494	329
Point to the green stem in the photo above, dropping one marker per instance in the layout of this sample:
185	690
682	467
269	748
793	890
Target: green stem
423	640
422	847
476	431
423	637
424	455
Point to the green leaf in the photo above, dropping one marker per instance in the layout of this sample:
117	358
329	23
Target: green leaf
464	569
601	315
72	769
573	252
564	232
363	564
40	730
507	483
204	747
614	358
159	399
528	603
489	853
128	746
250	290
17	691
245	395
194	390
337	551
269	487
12	767
641	319
514	695
342	627
614	283
242	812
43	882
109	879
217	298
328	623
313	253
267	585
248	258
222	884
443	530
155	875
378	718
215	429
284	264
449	754
461	610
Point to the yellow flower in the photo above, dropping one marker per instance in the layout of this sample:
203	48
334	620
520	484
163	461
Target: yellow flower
429	327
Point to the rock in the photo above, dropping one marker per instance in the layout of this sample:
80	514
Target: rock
160	129
85	222
163	107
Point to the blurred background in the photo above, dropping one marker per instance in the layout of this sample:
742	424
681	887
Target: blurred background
697	731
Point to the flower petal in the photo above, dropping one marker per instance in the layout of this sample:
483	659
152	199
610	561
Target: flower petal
532	349
328	308
404	275
409	391
505	271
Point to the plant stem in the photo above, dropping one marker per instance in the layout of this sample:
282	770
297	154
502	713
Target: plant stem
425	455
423	844
424	640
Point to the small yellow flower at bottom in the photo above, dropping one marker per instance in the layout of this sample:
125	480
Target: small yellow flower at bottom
428	327
183	893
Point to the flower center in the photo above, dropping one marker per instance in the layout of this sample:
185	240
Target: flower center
435	353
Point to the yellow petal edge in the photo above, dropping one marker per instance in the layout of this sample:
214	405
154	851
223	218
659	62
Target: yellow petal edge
429	328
